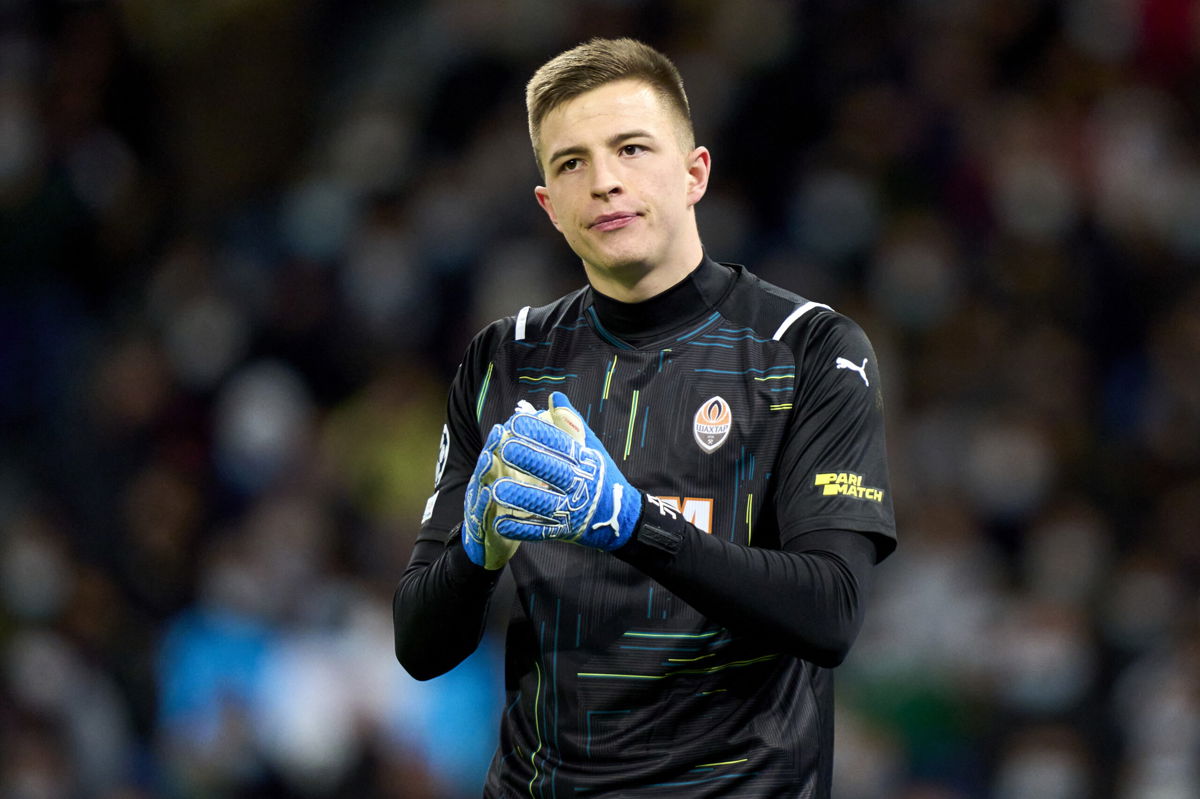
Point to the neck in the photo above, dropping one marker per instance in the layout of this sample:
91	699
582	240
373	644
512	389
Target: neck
639	281
680	306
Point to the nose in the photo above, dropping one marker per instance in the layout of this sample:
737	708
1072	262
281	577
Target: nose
605	180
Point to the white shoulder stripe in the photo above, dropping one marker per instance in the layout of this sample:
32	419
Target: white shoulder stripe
796	314
522	315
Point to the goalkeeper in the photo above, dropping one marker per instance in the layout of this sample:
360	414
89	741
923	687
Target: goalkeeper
681	466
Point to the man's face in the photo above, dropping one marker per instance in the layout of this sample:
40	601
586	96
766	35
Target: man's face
619	185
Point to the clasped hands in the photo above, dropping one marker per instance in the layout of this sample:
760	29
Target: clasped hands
545	476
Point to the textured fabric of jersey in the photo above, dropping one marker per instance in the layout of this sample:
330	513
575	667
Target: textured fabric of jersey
759	422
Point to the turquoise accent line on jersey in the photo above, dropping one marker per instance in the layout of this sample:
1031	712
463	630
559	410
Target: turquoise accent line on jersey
543	371
665	675
588	728
749	336
554	676
737	490
711	344
508	710
545	708
483	390
746	371
649	601
745	465
660	648
604	334
645	419
634	634
706	779
707	322
579	322
661	355
782	388
748	332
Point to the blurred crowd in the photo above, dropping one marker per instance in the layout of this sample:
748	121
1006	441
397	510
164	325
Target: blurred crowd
244	242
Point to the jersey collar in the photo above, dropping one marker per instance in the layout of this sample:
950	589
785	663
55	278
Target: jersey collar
681	306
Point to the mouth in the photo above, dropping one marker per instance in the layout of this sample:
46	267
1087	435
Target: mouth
616	221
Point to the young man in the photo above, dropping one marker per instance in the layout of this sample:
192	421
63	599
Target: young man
690	496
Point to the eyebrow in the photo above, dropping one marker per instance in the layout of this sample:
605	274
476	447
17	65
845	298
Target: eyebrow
613	141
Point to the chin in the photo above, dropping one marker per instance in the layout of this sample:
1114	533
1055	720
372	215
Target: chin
624	260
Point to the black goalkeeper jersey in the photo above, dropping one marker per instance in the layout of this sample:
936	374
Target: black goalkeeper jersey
753	423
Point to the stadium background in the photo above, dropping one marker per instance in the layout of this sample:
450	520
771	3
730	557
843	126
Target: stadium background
243	243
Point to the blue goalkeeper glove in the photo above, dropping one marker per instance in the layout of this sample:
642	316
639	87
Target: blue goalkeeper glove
576	492
479	538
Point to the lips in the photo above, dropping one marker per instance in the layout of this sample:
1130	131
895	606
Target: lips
615	221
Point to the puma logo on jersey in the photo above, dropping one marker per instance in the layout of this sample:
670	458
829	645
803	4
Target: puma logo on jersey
842	363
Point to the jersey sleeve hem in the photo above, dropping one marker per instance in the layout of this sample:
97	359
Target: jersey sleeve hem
883	533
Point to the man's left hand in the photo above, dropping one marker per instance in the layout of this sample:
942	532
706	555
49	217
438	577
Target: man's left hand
586	499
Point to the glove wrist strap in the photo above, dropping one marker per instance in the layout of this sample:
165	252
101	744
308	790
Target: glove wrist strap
656	538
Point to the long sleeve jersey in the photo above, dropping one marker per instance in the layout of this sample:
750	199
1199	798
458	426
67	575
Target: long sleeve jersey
695	660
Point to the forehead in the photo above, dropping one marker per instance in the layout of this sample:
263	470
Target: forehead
620	105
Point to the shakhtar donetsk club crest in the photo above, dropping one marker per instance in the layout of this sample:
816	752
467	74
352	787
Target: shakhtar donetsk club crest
711	424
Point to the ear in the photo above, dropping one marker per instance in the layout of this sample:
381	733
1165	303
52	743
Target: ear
542	194
699	165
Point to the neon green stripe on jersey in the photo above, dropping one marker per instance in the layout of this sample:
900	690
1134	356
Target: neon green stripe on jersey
537	727
632	418
612	367
749	518
483	390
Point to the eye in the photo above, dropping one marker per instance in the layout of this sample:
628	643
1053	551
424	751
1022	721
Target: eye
632	149
570	165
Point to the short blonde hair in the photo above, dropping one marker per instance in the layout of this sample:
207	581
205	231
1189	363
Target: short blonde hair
594	64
